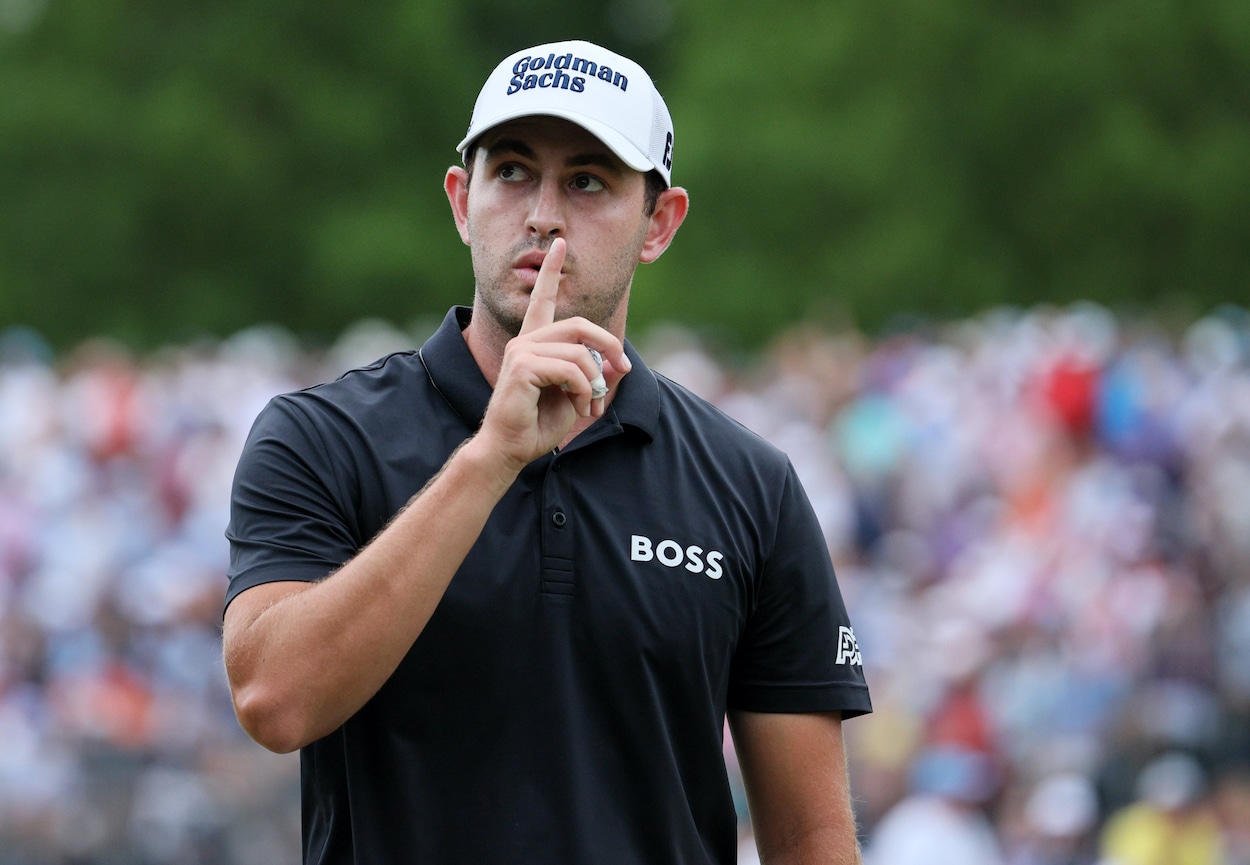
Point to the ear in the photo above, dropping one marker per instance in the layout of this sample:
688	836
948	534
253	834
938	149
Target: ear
456	185
670	211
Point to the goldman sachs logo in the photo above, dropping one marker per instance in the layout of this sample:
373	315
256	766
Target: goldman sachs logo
565	72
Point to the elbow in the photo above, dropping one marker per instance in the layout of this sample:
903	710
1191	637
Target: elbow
273	722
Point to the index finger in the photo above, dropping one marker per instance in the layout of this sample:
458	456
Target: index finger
542	308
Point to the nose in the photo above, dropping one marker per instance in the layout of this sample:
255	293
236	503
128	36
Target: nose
546	215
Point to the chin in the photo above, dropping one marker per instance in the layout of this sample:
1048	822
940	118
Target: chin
505	318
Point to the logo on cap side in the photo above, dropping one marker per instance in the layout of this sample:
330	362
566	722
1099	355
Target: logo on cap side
565	72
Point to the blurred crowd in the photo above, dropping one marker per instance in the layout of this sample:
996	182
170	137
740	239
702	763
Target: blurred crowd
1040	521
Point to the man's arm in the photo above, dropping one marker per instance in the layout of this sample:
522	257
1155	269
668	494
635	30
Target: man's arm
302	658
794	768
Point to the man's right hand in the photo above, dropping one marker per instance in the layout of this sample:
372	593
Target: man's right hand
544	383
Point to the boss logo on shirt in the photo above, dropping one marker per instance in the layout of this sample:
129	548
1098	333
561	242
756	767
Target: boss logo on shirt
672	554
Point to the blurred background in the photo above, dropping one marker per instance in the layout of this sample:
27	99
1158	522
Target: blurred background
980	268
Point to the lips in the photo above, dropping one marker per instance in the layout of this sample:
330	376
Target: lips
526	267
532	260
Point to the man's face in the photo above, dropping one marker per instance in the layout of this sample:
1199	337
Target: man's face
539	178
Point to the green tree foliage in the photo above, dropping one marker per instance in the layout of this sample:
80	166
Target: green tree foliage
172	169
877	158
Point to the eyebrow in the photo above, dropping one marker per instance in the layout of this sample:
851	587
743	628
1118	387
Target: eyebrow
516	146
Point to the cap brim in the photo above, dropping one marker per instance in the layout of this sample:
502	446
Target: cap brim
617	143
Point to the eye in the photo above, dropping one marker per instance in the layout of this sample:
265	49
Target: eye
511	173
588	183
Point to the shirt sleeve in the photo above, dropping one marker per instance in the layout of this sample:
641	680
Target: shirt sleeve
286	515
798	651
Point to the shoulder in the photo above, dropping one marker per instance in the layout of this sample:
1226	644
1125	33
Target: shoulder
365	385
379	388
700	422
356	413
359	445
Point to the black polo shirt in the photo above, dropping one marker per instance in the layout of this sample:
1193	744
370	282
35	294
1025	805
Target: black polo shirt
566	701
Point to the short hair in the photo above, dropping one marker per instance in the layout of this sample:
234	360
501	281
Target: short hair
654	186
653	181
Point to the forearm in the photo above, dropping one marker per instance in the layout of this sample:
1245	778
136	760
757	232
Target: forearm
794	766
824	845
305	663
820	830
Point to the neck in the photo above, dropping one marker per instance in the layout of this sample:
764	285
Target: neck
486	342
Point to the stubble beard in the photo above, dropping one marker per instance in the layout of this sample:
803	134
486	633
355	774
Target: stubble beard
498	296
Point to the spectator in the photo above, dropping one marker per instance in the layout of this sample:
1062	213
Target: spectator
1082	582
1172	822
941	822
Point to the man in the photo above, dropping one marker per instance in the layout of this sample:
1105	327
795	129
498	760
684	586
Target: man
504	613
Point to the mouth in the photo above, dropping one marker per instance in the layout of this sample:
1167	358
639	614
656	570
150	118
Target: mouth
526	267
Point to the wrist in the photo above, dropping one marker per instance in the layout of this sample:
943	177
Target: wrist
487	465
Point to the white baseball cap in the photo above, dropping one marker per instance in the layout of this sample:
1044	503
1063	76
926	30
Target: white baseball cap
610	96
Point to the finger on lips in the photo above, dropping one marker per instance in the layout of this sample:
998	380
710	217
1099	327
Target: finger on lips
541	313
542	306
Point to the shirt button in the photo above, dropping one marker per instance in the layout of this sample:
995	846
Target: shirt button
559	519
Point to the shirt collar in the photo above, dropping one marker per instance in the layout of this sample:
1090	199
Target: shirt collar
456	377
